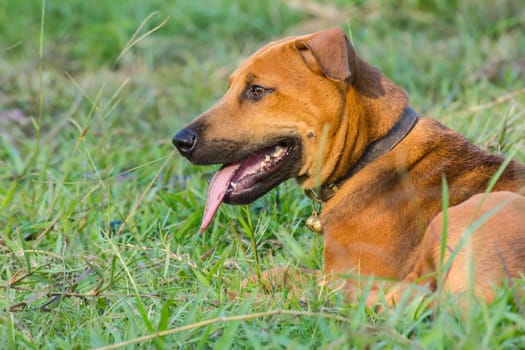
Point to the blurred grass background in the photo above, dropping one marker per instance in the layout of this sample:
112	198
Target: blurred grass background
98	216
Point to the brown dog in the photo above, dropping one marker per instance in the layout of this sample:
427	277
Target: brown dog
310	108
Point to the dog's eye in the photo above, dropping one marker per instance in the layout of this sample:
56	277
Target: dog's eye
256	92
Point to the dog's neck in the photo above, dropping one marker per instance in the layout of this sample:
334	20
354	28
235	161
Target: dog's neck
376	149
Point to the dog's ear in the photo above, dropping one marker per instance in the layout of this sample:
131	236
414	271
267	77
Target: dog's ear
331	50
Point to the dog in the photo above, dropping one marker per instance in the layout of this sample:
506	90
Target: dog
308	107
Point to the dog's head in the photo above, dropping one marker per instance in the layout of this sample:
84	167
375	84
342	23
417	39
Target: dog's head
281	117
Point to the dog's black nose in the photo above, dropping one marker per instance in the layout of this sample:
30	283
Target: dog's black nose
185	141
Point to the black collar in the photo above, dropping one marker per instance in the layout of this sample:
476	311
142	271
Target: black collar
375	150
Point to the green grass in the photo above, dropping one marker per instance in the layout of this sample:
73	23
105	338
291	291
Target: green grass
99	216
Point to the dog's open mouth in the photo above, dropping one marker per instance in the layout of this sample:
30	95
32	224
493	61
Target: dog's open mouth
247	180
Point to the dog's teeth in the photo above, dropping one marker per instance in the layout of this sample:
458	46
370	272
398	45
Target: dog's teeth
278	152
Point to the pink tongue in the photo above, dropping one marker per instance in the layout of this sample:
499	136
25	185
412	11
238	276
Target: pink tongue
218	187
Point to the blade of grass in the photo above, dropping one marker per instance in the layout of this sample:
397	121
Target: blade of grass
9	195
444	232
134	40
38	127
225	319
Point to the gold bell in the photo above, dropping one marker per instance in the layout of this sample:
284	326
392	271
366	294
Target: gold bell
314	224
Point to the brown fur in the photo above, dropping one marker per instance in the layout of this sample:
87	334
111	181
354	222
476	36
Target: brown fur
486	235
334	102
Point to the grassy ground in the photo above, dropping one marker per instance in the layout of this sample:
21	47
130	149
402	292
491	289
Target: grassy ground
99	217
